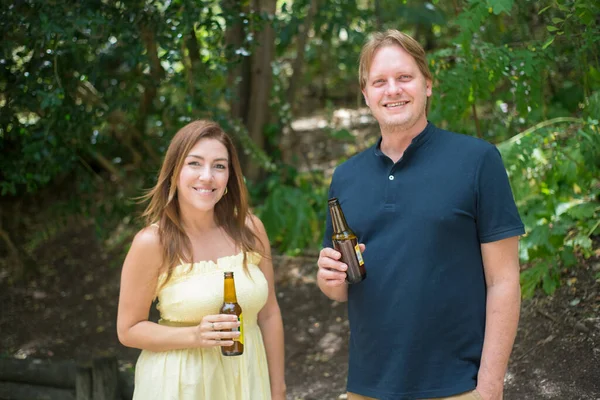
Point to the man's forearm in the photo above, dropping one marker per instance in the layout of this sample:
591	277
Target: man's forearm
502	310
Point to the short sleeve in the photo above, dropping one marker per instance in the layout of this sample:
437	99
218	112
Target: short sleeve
497	214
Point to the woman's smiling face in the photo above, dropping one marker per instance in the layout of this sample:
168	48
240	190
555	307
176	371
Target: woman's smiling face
204	176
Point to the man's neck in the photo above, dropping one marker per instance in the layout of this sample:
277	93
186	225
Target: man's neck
395	139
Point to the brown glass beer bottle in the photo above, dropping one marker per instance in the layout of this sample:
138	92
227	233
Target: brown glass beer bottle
231	306
345	241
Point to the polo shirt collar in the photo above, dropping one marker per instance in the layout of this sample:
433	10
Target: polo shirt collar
414	144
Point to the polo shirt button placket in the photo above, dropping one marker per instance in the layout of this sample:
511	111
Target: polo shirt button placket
389	204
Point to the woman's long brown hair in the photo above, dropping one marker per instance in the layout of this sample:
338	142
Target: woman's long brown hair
231	212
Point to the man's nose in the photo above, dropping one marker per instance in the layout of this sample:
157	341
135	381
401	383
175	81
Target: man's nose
393	87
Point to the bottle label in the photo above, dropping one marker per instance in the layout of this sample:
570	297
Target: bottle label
359	255
241	328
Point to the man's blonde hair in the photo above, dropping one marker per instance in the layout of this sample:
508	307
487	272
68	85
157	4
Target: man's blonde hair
391	37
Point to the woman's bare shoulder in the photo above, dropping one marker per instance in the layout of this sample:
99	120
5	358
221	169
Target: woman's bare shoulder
147	247
148	236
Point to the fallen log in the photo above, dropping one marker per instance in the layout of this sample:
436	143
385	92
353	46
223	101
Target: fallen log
24	391
98	379
58	374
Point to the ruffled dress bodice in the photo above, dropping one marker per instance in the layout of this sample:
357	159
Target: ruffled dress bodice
192	292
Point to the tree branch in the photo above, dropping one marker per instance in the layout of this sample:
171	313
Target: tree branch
106	164
456	7
118	118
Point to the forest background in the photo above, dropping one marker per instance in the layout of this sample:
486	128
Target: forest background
92	91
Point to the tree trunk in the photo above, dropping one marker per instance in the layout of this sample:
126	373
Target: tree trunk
238	77
151	85
260	83
297	67
191	43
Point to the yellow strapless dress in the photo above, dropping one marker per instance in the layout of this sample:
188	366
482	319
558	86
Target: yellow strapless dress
203	373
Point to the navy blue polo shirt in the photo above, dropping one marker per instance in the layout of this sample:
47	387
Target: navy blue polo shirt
417	322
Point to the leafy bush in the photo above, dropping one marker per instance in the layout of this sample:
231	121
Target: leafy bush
293	211
554	169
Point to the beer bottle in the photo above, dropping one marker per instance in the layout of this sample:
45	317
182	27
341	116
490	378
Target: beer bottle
345	241
231	306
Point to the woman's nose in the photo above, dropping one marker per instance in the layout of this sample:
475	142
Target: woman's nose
205	174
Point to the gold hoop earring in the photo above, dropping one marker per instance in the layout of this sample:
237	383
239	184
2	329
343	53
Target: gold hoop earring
225	191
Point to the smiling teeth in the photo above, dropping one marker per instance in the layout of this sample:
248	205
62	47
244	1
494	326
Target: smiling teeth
401	103
203	190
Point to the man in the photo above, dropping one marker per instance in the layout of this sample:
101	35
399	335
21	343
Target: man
437	315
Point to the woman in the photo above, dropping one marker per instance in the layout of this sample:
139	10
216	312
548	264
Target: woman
199	226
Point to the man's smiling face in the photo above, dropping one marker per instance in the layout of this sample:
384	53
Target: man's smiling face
396	91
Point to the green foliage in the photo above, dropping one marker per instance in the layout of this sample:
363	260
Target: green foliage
570	16
507	81
554	171
91	93
292	211
501	6
486	79
573	33
105	85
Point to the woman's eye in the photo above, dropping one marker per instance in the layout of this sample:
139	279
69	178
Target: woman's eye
220	166
194	163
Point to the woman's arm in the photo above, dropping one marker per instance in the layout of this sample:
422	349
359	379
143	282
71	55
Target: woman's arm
269	319
138	285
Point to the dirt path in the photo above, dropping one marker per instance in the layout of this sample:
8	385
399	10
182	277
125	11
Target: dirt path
70	312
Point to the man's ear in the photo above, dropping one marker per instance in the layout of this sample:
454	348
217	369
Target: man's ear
365	97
